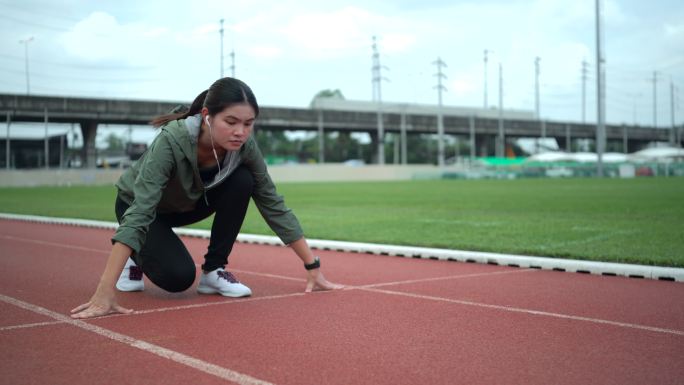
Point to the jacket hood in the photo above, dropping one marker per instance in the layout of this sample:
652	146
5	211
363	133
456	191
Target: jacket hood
185	133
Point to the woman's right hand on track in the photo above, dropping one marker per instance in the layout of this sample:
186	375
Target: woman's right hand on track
102	303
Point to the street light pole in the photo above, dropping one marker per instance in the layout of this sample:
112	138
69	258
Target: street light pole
536	87
25	43
485	78
600	91
221	32
440	116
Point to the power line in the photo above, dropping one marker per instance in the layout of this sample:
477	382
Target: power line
33	11
82	78
79	66
33	23
51	27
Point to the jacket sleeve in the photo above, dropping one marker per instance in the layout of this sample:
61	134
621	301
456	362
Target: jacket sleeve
271	205
153	175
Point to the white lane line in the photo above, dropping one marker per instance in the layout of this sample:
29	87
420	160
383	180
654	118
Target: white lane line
31	325
206	304
270	275
55	244
529	311
195	363
372	287
449	277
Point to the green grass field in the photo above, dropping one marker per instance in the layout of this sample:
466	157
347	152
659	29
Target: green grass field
634	221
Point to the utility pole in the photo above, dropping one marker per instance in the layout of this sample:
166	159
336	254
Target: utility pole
377	79
485	78
655	99
673	135
221	32
25	43
232	62
440	116
536	87
7	143
600	92
634	108
232	55
46	140
501	139
585	72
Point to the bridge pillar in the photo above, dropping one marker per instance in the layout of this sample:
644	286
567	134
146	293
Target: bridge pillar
321	138
89	151
485	145
374	144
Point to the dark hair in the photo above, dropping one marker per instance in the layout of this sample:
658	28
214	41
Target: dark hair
223	93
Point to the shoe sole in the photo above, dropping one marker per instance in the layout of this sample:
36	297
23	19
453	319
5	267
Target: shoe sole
140	287
204	290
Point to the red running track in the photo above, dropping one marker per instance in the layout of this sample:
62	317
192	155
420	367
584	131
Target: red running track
401	321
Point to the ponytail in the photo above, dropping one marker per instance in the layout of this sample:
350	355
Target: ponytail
180	112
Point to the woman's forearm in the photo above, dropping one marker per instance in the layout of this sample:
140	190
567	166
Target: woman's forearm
115	264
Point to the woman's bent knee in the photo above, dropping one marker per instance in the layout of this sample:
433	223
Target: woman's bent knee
178	280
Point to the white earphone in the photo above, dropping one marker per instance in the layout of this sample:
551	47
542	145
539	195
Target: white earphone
211	136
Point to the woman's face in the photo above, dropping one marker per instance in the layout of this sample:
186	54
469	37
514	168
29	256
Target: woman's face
231	127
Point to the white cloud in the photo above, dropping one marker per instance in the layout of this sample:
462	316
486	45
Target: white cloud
464	85
101	37
346	31
320	34
397	42
290	49
673	31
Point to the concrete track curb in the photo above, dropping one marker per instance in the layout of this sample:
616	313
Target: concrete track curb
523	261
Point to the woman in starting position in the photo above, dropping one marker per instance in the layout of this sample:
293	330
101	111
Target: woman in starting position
204	161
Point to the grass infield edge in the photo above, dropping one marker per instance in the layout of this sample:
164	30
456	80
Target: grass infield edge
520	261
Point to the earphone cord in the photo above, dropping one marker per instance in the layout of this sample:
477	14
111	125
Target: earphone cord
211	136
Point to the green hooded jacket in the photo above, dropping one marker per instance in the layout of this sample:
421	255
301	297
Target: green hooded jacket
166	179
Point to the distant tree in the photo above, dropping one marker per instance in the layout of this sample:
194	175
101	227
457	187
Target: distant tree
333	94
114	143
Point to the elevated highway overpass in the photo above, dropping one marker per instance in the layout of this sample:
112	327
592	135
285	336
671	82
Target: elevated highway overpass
482	128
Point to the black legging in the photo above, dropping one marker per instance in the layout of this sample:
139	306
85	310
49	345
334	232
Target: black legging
163	257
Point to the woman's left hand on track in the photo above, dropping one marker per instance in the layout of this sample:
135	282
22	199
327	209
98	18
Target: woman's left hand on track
316	281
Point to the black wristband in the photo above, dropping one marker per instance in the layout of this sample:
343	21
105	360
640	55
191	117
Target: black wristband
314	265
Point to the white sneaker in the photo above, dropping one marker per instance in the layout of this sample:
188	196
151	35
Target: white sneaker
222	282
131	278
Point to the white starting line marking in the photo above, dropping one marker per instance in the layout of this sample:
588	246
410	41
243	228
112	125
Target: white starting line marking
421	280
31	325
373	288
168	354
528	311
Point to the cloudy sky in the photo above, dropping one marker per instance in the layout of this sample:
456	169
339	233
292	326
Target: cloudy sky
288	50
